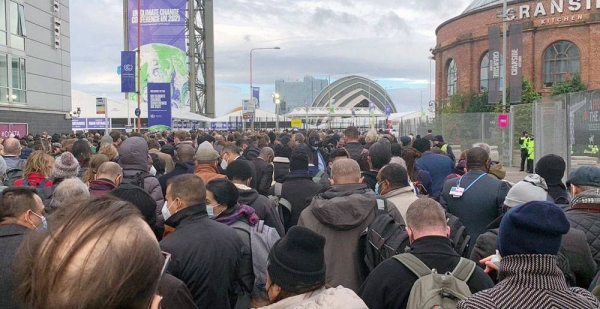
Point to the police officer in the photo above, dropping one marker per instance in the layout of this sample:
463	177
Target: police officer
530	150
524	142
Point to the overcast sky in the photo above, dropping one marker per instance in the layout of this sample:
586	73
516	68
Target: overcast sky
385	40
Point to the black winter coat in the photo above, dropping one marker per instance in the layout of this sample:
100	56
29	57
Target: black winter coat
298	189
205	255
180	168
389	285
265	208
11	236
281	166
264	175
588	222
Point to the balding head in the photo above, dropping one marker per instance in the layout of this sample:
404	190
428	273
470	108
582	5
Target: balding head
111	171
267	154
345	171
478	159
426	217
12	147
185	153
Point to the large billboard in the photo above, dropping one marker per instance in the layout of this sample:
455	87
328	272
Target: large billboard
163	47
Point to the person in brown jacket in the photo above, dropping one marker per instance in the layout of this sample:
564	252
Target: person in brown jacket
206	163
341	214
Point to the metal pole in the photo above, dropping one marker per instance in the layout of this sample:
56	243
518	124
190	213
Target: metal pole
277	121
306	120
251	96
504	29
192	55
139	63
105	116
209	52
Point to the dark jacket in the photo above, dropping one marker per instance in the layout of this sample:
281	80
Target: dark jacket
574	248
370	179
253	182
264	175
265	208
558	193
251	152
341	214
531	281
354	149
389	285
439	166
101	187
298	189
134	159
205	255
281	166
586	218
180	168
175	295
11	236
313	157
480	204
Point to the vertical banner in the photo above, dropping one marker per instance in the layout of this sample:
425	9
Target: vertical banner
256	96
163	47
159	104
100	106
494	95
516	62
128	71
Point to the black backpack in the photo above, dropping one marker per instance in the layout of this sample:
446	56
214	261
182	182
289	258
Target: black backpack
458	235
13	174
136	179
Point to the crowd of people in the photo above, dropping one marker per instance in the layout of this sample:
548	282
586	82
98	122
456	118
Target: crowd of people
238	220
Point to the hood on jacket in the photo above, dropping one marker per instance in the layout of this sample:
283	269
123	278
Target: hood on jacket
134	154
344	207
190	167
332	298
247	195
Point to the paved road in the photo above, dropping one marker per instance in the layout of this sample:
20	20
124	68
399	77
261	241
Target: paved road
513	175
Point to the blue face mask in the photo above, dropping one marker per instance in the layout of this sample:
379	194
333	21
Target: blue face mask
44	226
211	211
377	188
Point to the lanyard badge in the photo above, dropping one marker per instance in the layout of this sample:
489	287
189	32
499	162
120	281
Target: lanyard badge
457	192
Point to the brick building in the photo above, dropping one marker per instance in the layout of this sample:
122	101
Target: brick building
560	37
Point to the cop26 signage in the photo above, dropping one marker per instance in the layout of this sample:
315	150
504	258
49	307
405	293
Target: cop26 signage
163	46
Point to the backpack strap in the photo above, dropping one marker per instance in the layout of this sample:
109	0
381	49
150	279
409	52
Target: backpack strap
259	227
413	264
464	269
380	204
278	186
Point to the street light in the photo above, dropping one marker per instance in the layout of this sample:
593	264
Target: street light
251	95
277	101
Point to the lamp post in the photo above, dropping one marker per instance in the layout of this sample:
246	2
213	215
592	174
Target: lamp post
251	95
277	101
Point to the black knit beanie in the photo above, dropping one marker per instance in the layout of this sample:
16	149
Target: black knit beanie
298	260
299	161
552	168
139	198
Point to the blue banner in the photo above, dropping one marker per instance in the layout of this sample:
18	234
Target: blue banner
96	123
128	71
159	104
256	96
220	125
79	123
387	110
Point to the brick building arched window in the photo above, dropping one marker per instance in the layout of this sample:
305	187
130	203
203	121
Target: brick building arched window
561	59
451	77
484	72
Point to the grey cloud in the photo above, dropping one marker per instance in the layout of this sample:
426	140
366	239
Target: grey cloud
327	17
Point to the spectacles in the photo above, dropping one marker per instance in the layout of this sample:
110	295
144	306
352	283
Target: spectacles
167	257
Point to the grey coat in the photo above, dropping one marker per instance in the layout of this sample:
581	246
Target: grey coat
11	236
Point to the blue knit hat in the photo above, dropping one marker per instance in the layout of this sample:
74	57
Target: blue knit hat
532	228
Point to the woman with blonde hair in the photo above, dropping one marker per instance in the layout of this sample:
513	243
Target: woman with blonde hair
37	171
95	163
110	151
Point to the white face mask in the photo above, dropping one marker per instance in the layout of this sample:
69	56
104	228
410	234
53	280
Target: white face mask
224	164
152	171
165	210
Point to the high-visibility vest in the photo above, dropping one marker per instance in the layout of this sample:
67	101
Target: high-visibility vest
445	149
524	142
531	149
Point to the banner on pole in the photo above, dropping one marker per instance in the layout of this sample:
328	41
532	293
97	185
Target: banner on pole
256	96
100	106
494	91
163	47
516	62
159	104
128	71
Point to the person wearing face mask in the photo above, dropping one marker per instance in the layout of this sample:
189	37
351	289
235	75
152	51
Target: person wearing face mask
392	183
390	283
206	163
296	275
22	210
205	254
380	154
230	154
316	155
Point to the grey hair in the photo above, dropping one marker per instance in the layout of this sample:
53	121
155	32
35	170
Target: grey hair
484	146
69	190
371	135
345	171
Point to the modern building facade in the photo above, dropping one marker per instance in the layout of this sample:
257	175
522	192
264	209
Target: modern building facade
355	92
560	37
35	64
298	93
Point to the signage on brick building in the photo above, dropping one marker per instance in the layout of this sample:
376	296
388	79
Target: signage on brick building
552	12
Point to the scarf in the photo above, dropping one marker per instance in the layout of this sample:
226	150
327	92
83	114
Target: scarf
239	212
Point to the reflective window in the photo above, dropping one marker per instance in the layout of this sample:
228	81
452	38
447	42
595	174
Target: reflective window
3	78
561	59
451	77
17	26
2	22
19	85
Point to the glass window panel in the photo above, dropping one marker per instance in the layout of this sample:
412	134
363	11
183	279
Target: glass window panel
22	31
3	70
17	42
14	18
22	73
15	71
3	94
2	16
561	60
451	78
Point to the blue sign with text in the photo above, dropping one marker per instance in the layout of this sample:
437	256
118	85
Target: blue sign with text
159	104
128	71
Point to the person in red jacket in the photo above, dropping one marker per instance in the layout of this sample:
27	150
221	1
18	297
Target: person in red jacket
37	171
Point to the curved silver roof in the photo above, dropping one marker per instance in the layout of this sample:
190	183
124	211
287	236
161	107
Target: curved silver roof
479	4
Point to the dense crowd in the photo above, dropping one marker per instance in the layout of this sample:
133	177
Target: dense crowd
292	219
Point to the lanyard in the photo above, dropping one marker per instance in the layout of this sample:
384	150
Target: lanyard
469	187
